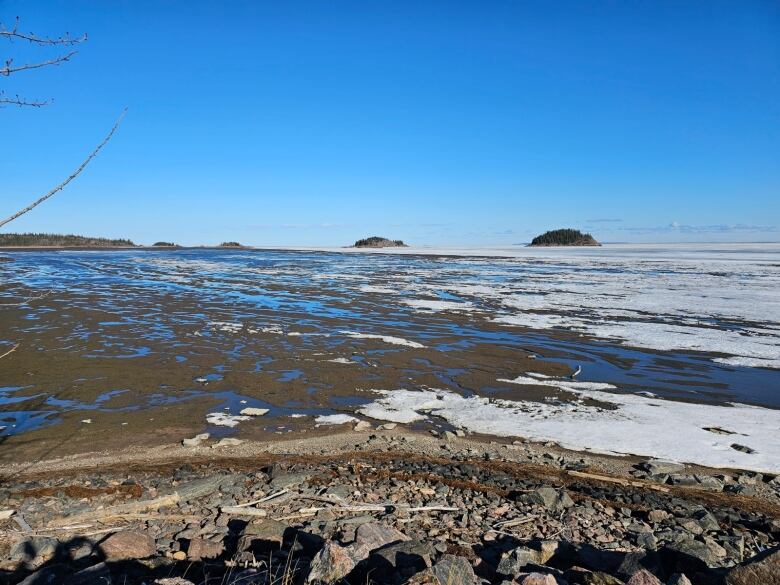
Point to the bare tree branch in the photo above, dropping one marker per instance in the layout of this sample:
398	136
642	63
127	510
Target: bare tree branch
8	69
20	101
32	38
73	175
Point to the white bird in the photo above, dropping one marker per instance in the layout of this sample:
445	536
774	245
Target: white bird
576	372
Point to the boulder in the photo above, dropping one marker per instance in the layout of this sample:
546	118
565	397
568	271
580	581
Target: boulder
550	498
34	551
98	573
643	577
373	535
660	467
706	520
599	578
678	579
690	556
537	552
637	562
262	536
331	564
763	569
453	570
404	558
200	548
130	544
538	579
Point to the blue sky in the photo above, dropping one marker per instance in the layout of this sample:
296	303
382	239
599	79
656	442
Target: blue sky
449	123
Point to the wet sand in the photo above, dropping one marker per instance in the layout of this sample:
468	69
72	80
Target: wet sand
144	347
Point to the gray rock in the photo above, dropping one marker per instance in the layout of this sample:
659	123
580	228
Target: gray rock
763	569
452	570
657	515
50	574
678	579
709	483
538	579
405	558
643	577
262	536
635	562
685	479
690	556
130	544
550	498
200	548
735	547
537	552
647	540
706	520
34	551
198	488
331	564
373	535
286	480
658	467
599	578
98	573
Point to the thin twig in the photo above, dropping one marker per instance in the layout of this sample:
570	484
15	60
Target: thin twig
75	174
8	69
14	33
20	101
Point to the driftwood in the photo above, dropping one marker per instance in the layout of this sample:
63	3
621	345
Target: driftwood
239	511
620	481
72	176
515	522
6	514
9	352
117	511
262	500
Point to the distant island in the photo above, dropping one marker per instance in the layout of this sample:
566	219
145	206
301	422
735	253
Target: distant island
564	237
377	242
230	245
164	245
60	241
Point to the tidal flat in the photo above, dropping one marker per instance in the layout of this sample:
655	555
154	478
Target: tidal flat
676	348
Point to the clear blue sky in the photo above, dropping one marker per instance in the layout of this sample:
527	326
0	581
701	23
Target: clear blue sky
451	123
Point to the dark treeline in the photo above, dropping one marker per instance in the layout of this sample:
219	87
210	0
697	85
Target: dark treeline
57	240
564	237
377	242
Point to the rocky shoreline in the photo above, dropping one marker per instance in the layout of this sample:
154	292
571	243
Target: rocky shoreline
385	506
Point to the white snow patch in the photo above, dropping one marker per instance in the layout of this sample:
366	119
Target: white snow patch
367	288
435	305
341	360
386	338
636	425
226	326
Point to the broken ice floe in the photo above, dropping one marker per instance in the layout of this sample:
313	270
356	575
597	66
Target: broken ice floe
221	419
334	419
